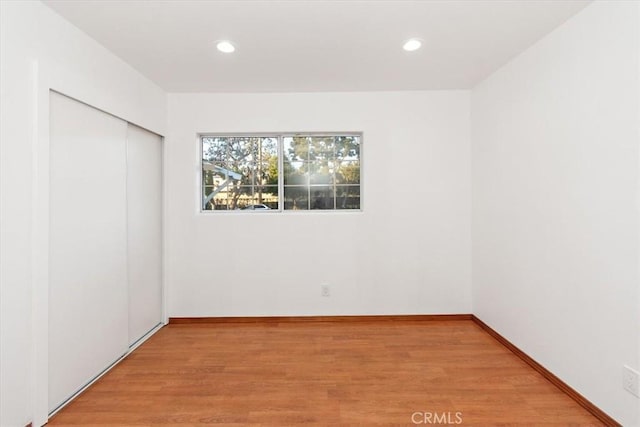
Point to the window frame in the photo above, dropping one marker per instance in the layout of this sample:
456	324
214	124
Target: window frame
279	136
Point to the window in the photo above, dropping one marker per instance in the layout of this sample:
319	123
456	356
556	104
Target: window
281	172
239	172
321	172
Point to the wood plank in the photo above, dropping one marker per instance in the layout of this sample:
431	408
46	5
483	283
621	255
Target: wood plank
323	373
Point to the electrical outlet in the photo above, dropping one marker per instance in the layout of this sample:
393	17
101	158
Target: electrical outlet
324	290
631	380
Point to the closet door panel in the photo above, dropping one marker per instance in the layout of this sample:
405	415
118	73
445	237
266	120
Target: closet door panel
144	210
88	316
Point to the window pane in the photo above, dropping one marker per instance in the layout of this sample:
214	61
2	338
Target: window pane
267	162
321	172
266	195
295	173
214	149
296	198
348	197
322	197
321	148
348	172
221	201
296	148
209	204
347	147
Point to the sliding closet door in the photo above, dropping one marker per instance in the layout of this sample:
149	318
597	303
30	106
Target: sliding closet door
144	200
88	325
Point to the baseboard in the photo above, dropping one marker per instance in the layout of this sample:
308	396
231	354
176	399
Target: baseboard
564	387
297	319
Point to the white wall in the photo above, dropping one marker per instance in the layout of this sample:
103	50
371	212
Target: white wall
407	252
555	221
16	131
35	38
555	225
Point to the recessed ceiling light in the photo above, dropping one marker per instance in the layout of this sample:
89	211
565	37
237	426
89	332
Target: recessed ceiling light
411	45
225	46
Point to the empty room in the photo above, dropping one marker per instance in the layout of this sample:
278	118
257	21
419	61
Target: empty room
321	212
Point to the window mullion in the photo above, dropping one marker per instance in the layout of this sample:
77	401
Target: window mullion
280	150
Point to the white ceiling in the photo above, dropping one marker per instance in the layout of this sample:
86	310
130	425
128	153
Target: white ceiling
310	46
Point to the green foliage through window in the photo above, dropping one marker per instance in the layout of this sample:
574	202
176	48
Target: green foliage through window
281	172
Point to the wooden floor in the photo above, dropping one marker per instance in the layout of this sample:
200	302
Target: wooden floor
326	374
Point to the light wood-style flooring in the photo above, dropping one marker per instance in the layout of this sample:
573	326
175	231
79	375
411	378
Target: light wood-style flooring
323	373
